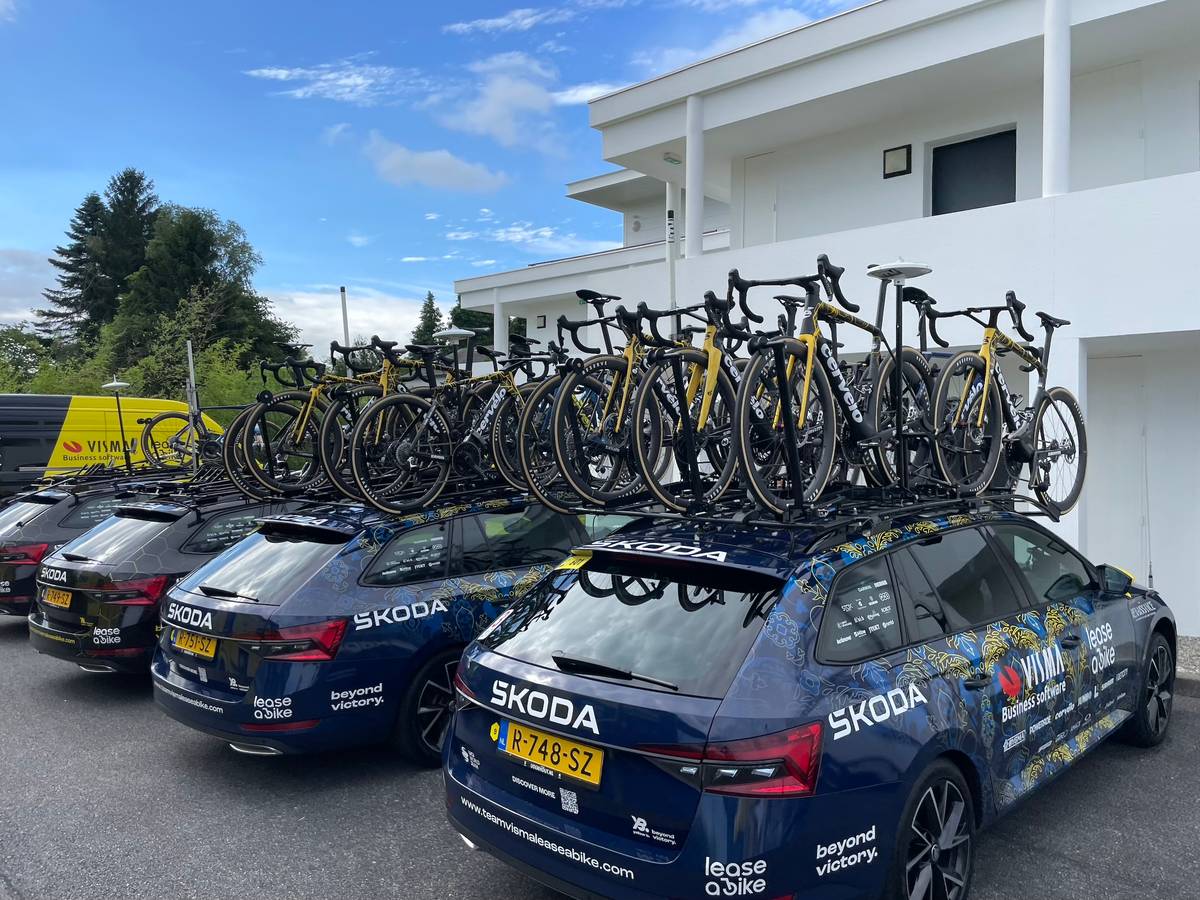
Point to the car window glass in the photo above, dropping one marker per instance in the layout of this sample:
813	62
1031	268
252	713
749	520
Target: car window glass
222	531
860	620
418	554
968	576
598	527
1054	573
926	620
535	535
472	552
90	512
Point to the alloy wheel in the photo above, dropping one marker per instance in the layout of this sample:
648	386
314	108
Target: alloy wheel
939	848
434	705
1160	683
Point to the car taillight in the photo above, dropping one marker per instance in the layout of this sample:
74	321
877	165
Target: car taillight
23	554
784	764
317	642
136	592
462	693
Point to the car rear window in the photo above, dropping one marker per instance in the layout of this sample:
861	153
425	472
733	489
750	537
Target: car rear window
90	512
223	531
114	539
688	625
264	567
18	514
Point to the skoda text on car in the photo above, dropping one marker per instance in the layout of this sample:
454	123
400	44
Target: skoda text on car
98	596
38	522
688	710
343	626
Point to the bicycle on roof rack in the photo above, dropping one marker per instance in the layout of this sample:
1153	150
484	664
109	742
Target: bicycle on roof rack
977	422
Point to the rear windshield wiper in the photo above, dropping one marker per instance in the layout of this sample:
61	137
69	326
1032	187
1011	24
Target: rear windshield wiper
75	557
581	666
212	590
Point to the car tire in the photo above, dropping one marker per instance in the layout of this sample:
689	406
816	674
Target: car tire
1147	727
424	717
939	795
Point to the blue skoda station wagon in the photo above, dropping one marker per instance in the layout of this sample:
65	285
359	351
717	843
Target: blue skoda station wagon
717	710
339	626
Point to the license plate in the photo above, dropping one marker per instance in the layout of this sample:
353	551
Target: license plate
550	751
58	598
196	644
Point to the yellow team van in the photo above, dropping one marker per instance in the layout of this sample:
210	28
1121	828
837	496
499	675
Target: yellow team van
51	433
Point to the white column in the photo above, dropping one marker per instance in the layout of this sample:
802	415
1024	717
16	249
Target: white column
1056	99
693	230
499	323
670	245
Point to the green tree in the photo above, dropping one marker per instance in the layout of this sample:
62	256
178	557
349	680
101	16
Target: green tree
132	209
472	318
22	354
83	284
430	321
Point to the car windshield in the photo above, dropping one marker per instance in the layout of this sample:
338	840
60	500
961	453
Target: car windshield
687	627
115	538
16	515
263	567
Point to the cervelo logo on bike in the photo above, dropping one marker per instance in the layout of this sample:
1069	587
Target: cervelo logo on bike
836	372
668	549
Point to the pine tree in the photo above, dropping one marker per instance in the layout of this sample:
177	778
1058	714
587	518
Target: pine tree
473	318
129	228
83	284
429	322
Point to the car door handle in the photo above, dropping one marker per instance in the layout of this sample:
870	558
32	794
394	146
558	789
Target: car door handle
1071	641
977	684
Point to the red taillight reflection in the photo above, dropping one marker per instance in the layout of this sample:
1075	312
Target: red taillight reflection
136	592
318	642
269	727
461	686
23	554
784	764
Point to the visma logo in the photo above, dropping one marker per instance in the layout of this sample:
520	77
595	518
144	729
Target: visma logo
187	615
1010	682
539	705
73	446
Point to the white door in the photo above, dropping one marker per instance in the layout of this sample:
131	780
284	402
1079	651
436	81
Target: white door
1116	472
1107	127
758	198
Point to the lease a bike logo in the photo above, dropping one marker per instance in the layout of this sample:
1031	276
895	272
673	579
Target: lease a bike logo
189	615
540	705
58	576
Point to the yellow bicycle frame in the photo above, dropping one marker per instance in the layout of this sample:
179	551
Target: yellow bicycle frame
993	339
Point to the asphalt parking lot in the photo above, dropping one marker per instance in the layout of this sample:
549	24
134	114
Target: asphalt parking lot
102	796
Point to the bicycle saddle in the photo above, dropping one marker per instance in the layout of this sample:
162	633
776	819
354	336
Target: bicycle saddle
489	352
383	345
1050	321
917	297
595	296
425	350
522	339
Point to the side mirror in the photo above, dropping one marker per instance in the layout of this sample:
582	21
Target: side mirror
1114	580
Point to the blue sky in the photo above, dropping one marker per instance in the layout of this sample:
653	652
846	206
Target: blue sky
391	147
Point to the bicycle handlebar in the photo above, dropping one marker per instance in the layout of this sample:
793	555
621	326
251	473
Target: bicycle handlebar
1015	309
573	328
347	354
831	276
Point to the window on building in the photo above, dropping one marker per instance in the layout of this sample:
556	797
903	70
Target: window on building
975	173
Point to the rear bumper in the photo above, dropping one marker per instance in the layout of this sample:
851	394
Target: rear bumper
15	606
79	646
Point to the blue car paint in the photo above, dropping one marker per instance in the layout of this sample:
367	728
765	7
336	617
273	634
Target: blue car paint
838	842
352	699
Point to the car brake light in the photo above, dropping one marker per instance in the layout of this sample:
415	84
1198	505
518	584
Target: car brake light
23	554
317	642
460	688
136	592
784	764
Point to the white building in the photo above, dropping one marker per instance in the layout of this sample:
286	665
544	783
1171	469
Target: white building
1055	149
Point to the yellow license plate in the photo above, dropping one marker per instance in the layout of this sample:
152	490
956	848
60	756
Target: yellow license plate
550	751
55	597
195	644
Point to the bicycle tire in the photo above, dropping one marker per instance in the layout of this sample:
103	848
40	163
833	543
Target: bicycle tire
506	447
918	378
535	441
333	437
656	381
150	446
982	442
420	459
310	474
233	458
1054	396
758	444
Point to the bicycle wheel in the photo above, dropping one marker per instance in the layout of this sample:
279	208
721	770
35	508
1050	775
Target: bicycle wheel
333	437
535	445
168	439
400	453
592	433
759	431
967	432
711	461
1060	456
915	393
233	458
506	437
280	443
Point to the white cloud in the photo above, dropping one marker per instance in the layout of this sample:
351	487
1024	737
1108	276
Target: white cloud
432	168
432	216
23	276
461	234
752	28
552	46
314	310
413	259
480	263
583	93
512	62
356	239
514	20
485	215
534	239
8	10
352	80
718	5
335	133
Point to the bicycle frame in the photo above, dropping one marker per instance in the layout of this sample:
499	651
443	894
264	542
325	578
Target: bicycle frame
995	342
